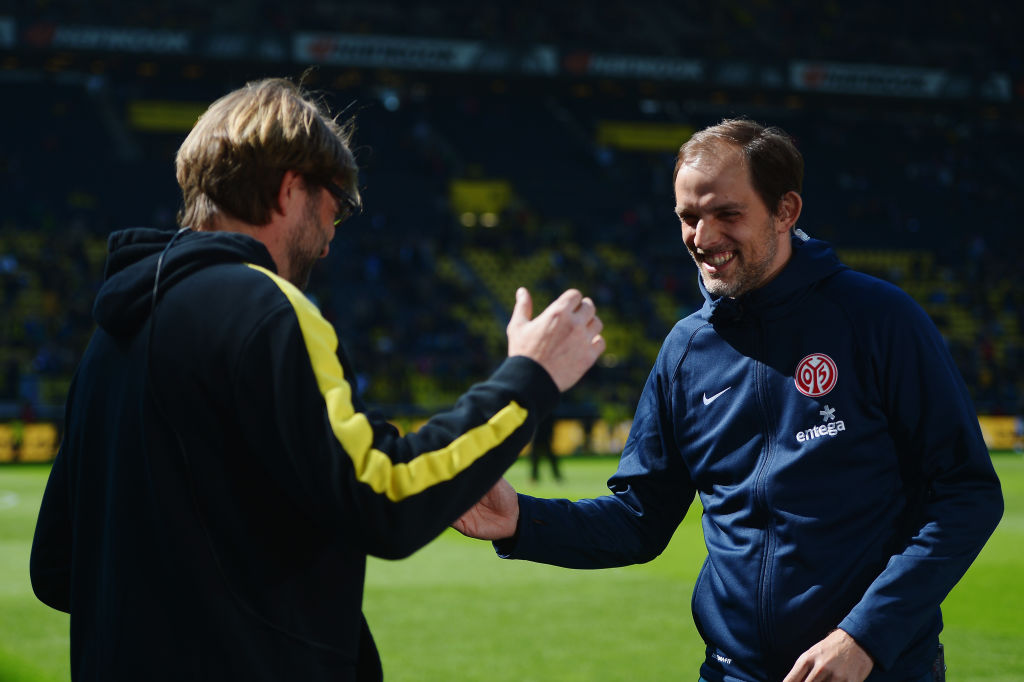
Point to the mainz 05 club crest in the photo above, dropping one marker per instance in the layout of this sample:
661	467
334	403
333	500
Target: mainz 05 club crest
816	375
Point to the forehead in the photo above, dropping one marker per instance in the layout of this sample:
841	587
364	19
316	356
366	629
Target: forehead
717	173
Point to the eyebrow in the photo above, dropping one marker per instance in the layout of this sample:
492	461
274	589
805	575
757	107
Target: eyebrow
716	208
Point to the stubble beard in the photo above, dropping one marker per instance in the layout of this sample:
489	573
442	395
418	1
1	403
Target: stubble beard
303	251
748	276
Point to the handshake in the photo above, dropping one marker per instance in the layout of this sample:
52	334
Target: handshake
565	340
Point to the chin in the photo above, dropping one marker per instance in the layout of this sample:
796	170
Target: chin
717	287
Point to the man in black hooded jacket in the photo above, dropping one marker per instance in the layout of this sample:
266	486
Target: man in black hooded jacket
220	485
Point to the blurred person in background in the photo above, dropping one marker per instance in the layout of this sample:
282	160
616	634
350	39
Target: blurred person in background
219	485
542	450
816	412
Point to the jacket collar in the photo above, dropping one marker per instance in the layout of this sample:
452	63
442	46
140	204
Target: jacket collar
812	261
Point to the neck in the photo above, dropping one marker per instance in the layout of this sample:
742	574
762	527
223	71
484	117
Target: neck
270	235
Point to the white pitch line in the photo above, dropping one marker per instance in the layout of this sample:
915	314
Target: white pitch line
8	499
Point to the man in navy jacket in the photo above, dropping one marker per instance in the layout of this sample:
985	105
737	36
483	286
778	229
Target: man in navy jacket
845	484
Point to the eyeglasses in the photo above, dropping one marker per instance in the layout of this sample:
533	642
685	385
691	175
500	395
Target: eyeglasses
347	205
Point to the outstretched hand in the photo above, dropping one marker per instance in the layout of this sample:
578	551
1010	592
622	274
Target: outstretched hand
837	658
494	517
565	339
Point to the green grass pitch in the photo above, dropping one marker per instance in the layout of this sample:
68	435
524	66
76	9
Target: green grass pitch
454	611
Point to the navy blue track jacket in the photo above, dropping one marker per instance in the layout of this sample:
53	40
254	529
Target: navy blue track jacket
219	485
838	459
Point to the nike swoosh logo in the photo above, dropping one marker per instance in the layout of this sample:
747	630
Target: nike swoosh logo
708	401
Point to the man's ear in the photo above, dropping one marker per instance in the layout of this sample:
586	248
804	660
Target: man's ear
788	211
288	195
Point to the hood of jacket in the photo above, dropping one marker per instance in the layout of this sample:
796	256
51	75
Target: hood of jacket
812	261
125	299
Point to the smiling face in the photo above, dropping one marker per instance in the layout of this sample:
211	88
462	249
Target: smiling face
736	242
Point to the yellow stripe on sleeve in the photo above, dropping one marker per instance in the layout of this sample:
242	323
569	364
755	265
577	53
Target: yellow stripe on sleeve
353	430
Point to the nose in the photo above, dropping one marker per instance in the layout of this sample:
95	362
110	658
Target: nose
705	234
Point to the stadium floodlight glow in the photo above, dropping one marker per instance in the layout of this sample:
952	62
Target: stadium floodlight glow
489	219
468	219
650	106
390	99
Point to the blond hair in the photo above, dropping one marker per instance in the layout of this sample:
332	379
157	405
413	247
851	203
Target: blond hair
234	159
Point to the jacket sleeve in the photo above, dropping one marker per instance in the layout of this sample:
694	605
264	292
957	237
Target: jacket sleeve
932	421
386	493
650	493
50	561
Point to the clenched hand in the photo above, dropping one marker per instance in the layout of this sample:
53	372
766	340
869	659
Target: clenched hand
494	517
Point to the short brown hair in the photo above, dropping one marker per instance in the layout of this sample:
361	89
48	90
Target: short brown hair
237	153
775	164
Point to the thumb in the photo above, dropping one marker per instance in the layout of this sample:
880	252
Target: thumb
523	310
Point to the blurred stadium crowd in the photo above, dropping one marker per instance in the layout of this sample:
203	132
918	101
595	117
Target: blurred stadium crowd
476	183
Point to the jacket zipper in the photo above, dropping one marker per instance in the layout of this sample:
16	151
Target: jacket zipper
764	605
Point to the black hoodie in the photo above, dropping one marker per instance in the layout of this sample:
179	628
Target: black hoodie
219	484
